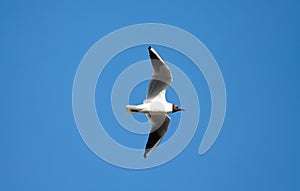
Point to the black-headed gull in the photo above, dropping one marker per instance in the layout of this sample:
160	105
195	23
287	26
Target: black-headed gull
155	106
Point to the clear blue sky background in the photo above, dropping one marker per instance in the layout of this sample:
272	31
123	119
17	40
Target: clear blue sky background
256	44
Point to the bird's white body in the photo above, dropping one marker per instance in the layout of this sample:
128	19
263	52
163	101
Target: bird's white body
153	107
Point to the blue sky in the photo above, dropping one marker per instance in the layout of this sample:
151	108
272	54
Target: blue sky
255	43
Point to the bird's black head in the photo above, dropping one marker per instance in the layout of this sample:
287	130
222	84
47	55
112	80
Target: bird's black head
176	108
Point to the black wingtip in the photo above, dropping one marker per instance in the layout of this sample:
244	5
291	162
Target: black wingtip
152	54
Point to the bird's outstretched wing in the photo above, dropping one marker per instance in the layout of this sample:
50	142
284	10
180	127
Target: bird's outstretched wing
159	126
161	77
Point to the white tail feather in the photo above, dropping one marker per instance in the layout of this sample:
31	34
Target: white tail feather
130	109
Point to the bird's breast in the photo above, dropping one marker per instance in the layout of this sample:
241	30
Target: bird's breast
157	107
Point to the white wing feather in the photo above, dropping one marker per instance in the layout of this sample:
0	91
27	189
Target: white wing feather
161	77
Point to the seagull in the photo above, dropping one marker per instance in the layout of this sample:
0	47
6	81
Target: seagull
155	106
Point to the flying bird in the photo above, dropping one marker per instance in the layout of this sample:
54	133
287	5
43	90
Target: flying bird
155	106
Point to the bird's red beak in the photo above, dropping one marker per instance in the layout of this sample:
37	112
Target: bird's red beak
181	109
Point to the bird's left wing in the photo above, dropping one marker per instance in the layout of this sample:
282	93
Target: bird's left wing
159	126
161	77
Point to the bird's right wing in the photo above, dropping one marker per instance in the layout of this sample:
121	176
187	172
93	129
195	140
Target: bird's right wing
159	126
161	77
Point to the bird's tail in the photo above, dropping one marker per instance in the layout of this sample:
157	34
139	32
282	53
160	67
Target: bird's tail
130	109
